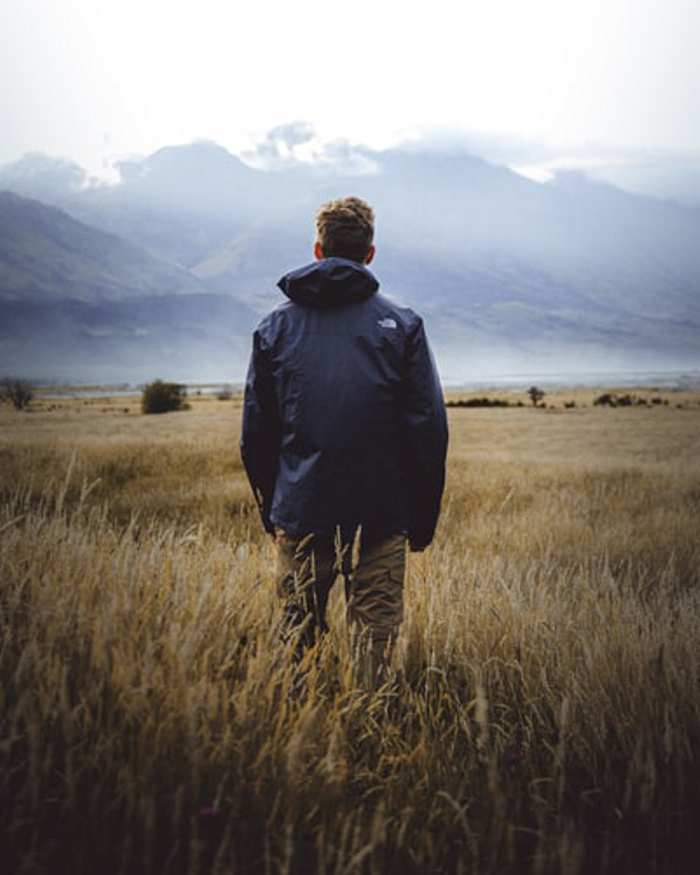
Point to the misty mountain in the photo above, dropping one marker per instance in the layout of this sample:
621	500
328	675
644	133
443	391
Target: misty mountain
509	274
44	178
77	301
670	177
47	254
180	204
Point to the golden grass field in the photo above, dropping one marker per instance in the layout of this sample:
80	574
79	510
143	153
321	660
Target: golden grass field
547	717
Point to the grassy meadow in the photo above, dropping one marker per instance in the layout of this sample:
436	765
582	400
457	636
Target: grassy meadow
546	712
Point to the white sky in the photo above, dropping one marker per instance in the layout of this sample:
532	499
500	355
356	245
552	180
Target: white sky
89	79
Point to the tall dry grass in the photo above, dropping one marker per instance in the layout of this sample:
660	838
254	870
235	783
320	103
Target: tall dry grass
546	714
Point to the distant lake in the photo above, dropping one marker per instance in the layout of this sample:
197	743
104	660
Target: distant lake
689	379
127	391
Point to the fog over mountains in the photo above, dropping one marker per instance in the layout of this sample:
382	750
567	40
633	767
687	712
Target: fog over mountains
166	272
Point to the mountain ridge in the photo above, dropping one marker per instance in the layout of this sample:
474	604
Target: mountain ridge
501	267
46	253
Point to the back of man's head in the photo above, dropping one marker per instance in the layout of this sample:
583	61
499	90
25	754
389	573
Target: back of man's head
345	229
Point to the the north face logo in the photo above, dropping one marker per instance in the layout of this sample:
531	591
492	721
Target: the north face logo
386	323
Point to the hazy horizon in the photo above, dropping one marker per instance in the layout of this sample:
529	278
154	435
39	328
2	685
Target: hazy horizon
661	173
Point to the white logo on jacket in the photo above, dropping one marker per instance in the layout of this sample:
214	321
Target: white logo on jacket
387	323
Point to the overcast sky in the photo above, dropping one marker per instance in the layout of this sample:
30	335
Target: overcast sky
91	79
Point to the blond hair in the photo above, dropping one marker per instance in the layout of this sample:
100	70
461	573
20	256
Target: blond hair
345	228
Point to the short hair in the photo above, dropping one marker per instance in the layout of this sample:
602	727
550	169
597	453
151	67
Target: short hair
345	228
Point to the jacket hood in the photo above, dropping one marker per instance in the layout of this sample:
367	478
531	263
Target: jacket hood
330	282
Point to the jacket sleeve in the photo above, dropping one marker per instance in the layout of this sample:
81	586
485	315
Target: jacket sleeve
425	438
260	434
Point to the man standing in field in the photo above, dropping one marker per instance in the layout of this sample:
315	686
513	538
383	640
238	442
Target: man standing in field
344	437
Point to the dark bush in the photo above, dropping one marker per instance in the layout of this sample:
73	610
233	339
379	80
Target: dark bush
479	402
225	393
17	391
606	400
569	404
161	397
611	400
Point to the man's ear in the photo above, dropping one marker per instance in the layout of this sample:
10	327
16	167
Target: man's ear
318	252
370	255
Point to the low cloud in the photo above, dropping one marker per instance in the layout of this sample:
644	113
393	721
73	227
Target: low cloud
298	144
36	172
281	145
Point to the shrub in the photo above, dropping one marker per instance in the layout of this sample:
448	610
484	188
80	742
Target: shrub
536	395
478	402
161	397
225	393
17	391
611	400
606	400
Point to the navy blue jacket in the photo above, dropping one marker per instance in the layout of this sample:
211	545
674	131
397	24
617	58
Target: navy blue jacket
344	419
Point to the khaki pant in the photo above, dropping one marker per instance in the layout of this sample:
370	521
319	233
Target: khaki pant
373	569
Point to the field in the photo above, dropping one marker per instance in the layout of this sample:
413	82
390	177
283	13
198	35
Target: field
545	716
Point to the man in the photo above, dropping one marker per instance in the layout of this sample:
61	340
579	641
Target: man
344	437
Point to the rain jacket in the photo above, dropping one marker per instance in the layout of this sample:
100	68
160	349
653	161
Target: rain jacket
344	419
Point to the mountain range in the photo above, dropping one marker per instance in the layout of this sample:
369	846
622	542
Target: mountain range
166	271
